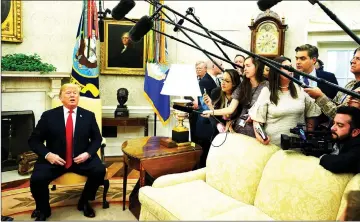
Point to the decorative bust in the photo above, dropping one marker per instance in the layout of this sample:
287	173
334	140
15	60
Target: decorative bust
122	97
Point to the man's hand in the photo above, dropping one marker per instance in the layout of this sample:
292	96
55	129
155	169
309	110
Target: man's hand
195	104
314	92
55	159
354	101
82	158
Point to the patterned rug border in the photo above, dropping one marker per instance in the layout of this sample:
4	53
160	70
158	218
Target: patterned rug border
57	207
20	200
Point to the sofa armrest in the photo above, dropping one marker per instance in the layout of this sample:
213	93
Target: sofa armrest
178	178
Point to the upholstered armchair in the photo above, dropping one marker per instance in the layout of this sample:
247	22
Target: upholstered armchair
73	178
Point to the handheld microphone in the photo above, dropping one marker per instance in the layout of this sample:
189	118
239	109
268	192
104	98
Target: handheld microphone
267	4
140	29
122	9
185	109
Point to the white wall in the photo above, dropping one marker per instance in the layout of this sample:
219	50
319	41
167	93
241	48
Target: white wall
50	27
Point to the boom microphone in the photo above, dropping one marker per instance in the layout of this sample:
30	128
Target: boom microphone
267	4
181	21
140	29
122	9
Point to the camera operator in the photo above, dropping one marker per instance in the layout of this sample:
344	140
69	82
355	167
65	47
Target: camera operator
346	133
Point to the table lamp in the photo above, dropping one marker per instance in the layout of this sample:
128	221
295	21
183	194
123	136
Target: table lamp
181	81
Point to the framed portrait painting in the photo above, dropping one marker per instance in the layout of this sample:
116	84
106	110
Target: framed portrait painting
11	27
119	55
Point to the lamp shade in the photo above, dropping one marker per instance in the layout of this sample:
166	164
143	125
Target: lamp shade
181	81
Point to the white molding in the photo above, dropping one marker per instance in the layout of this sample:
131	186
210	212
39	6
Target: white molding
20	74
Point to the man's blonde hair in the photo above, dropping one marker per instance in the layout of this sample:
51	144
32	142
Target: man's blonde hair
69	85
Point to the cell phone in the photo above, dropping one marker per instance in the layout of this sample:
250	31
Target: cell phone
260	130
243	119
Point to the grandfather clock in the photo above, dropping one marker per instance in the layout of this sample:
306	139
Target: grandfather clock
268	34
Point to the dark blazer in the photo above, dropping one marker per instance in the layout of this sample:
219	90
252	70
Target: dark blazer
348	160
51	128
207	83
326	89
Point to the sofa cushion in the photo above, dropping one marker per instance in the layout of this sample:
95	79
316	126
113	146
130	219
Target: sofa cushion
241	214
187	201
235	167
296	187
354	184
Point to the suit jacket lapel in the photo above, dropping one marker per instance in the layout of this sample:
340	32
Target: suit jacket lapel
62	125
78	123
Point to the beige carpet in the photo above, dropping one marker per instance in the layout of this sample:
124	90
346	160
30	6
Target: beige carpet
115	212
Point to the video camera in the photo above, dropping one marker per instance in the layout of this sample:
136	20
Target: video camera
313	143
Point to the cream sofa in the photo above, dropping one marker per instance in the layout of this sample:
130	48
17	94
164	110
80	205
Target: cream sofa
245	180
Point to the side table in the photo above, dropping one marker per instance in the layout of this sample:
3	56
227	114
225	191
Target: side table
148	156
131	120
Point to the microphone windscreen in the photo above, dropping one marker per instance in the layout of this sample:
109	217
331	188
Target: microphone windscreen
181	21
267	4
140	29
122	9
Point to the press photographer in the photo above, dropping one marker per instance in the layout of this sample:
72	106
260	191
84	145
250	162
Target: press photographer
339	150
345	132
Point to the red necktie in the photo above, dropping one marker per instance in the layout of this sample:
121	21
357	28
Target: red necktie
69	140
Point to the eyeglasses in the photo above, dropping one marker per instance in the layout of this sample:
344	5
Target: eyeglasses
355	59
227	81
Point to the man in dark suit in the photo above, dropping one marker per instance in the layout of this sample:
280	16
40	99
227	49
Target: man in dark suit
72	139
128	56
204	128
306	57
346	132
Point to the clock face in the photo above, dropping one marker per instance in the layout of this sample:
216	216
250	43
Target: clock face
267	39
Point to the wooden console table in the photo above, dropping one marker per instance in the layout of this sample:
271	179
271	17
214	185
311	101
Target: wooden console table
132	120
152	159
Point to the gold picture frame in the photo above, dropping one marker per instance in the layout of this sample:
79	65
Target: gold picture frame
114	57
11	22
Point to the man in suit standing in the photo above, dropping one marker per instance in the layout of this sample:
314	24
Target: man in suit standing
306	57
346	133
72	139
204	128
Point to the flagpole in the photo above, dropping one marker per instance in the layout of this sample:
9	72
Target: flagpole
155	124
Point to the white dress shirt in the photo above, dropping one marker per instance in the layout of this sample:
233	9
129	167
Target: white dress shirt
312	83
66	114
216	79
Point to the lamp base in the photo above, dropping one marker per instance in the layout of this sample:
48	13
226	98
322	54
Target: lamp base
180	137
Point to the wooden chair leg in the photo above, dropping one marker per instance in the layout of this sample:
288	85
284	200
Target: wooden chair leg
106	188
53	187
